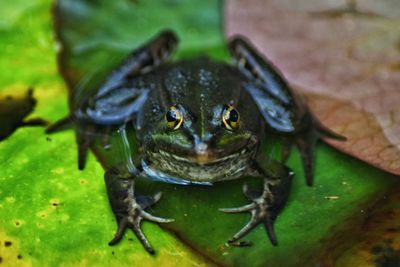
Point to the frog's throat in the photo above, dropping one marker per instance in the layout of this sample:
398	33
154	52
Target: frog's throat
202	168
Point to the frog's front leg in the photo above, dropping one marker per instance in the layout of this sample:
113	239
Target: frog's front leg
129	209
266	204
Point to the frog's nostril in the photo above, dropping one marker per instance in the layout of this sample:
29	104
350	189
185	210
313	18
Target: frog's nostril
201	148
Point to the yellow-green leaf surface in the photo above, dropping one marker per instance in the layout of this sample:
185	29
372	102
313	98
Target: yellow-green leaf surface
52	214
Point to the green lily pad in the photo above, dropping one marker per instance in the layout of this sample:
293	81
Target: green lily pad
42	194
54	214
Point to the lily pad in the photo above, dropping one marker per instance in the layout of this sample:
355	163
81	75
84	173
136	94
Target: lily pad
42	195
54	214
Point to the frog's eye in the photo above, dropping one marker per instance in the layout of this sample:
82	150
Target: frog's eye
230	117
174	118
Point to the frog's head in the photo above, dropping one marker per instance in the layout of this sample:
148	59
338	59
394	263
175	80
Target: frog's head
202	138
200	116
210	144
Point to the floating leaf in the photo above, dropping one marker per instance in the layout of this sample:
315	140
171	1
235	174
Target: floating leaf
54	214
43	197
345	58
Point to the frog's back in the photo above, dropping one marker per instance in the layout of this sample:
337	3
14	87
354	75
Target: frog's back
200	85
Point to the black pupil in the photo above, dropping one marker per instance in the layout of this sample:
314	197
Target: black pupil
171	116
233	116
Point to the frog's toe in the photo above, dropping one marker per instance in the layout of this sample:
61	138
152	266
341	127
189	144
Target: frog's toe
306	142
134	224
241	209
260	214
306	146
133	221
122	225
83	142
135	215
86	136
324	131
145	202
156	219
251	195
255	221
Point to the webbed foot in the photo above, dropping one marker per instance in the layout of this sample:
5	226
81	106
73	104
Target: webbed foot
266	203
130	210
261	213
134	216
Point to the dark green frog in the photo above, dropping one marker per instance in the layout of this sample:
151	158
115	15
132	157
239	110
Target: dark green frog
197	122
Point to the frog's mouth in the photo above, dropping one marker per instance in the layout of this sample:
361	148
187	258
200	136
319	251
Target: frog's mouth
202	164
203	158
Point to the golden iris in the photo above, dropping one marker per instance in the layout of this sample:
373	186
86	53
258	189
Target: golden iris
230	117
174	118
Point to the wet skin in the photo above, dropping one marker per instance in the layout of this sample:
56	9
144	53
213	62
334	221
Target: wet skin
197	122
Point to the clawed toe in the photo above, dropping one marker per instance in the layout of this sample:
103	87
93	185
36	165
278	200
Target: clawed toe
136	213
122	225
149	217
260	214
244	208
257	217
306	142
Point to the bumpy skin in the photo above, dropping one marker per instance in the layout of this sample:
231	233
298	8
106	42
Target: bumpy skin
202	148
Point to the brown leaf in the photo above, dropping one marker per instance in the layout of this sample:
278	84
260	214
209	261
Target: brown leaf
344	56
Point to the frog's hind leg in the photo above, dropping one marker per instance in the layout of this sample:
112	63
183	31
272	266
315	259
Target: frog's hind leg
306	142
142	60
265	205
129	209
283	110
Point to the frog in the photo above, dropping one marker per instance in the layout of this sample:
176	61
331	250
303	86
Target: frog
197	122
